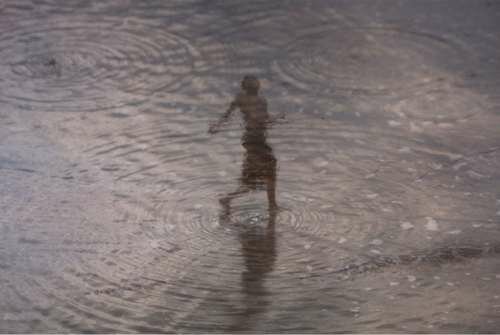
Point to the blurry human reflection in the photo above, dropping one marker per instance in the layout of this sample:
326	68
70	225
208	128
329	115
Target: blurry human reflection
259	167
258	244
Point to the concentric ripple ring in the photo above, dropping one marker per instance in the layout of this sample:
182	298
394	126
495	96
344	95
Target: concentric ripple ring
364	60
88	64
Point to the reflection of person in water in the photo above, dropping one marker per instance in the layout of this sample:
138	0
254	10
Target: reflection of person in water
258	247
259	167
258	171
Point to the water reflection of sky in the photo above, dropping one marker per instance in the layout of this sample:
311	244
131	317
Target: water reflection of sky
122	213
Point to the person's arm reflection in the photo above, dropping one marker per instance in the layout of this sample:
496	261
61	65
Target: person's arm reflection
214	128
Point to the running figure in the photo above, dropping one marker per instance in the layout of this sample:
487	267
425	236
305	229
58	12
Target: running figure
259	166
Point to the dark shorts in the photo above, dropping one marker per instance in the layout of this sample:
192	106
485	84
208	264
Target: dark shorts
259	168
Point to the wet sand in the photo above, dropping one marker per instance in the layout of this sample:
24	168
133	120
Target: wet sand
387	167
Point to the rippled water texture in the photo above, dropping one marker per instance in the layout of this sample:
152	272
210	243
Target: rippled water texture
122	213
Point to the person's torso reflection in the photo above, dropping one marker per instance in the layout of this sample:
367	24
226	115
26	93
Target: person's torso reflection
258	244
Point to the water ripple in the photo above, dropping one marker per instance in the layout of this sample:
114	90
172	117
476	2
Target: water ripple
80	64
364	60
363	185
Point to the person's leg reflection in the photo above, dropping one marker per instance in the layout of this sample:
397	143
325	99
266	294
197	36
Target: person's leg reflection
271	193
225	203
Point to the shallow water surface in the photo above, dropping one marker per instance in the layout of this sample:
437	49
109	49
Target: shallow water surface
123	213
